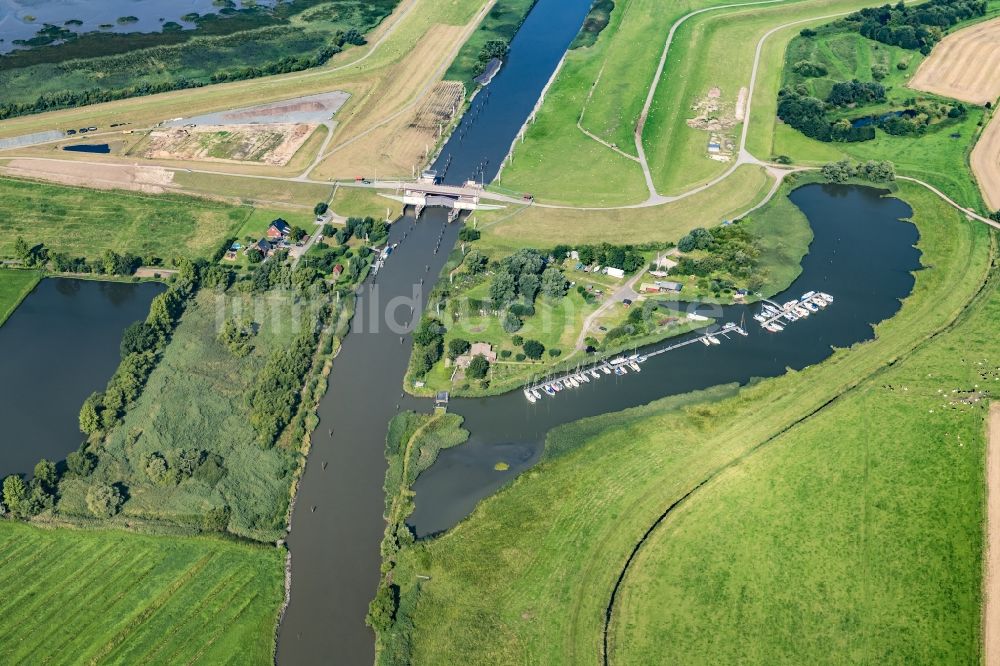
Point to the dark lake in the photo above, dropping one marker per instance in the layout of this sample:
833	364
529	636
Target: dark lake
60	345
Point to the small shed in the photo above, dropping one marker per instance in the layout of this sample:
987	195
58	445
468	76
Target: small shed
616	272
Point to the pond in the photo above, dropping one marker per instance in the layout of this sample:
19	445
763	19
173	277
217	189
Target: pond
101	148
60	345
864	121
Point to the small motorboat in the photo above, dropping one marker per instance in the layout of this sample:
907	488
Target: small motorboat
536	393
715	341
548	389
531	398
593	373
582	377
634	366
705	341
605	369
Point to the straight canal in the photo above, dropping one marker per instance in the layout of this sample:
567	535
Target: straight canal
862	254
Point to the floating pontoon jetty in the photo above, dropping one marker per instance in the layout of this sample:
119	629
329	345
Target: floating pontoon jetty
621	365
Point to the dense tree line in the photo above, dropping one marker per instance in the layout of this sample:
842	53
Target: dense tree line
523	275
625	257
875	171
109	263
141	347
918	27
428	345
277	393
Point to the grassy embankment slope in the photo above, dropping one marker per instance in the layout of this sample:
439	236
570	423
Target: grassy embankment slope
84	222
560	534
532	226
558	163
74	597
936	157
15	285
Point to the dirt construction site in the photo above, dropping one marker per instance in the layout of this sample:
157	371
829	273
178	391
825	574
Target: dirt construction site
271	143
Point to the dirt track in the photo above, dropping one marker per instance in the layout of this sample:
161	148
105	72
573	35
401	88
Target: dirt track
152	180
991	581
964	65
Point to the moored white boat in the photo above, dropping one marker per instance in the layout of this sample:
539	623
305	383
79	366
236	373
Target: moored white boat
531	398
634	366
714	340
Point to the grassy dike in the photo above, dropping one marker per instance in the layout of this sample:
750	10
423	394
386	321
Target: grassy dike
557	538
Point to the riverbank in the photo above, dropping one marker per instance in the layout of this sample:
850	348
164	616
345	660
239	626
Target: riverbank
15	285
670	451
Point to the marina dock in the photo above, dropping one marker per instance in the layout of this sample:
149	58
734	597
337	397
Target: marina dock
774	317
622	365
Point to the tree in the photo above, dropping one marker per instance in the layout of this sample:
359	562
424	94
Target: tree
46	475
430	331
478	367
15	494
23	251
457	347
511	322
528	285
104	500
236	336
468	234
255	256
90	417
297	233
320	208
475	262
533	349
503	289
138	337
554	284
81	463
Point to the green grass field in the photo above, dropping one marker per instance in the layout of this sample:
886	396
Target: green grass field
83	222
15	285
606	84
196	397
513	227
558	536
76	597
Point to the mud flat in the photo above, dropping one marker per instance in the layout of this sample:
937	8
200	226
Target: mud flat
309	109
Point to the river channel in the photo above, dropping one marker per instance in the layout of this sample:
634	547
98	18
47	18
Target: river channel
862	254
59	346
